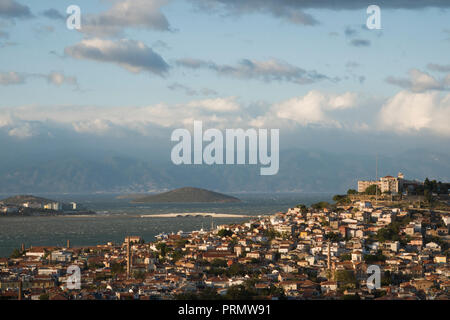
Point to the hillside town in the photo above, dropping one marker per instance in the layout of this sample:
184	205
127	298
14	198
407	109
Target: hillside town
317	252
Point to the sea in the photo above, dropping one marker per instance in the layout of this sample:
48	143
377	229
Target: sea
117	218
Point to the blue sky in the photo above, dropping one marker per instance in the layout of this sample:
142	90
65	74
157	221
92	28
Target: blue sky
248	65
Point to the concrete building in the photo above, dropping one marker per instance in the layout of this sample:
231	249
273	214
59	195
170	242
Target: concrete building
385	184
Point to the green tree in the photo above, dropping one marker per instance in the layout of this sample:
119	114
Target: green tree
303	208
16	254
372	190
225	233
320	205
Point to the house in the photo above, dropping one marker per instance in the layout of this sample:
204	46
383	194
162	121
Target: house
328	286
433	246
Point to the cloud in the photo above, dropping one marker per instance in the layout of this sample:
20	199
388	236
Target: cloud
352	64
132	55
112	121
22	132
53	14
350	32
11	78
10	9
219	104
54	77
268	70
286	10
439	67
123	14
314	108
58	79
413	112
419	81
293	10
360	43
189	91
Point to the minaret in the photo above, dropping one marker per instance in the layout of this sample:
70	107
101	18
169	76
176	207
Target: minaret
376	180
22	247
68	244
329	256
128	257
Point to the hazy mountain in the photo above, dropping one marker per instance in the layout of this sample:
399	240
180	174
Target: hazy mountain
300	170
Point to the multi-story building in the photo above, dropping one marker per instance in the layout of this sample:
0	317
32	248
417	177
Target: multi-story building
385	184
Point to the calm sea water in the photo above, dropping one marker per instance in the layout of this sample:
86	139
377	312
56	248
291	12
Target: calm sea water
117	218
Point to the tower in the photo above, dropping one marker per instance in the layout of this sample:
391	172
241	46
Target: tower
68	244
22	248
128	257
329	256
376	180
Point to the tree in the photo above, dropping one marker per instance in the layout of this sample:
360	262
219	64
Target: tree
333	237
239	292
378	257
302	207
352	191
320	205
16	254
372	190
225	233
163	249
117	268
346	278
341	199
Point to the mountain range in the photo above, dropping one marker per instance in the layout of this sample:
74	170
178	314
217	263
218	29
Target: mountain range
300	171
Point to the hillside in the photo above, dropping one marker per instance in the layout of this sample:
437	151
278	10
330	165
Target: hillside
21	199
185	195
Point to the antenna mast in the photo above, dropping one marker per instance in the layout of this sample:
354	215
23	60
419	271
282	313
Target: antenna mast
376	179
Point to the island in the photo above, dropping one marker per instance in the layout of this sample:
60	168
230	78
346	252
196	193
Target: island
186	195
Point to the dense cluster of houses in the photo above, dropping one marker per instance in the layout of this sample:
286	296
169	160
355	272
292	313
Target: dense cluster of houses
303	253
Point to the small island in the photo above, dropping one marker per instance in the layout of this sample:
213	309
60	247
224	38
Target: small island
186	195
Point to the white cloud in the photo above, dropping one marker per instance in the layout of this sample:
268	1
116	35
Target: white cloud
22	132
419	81
312	108
123	14
132	55
413	112
219	104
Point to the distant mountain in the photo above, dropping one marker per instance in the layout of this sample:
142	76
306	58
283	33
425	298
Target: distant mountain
301	170
186	195
21	199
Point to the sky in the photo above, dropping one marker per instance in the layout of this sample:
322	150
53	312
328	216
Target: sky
139	69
